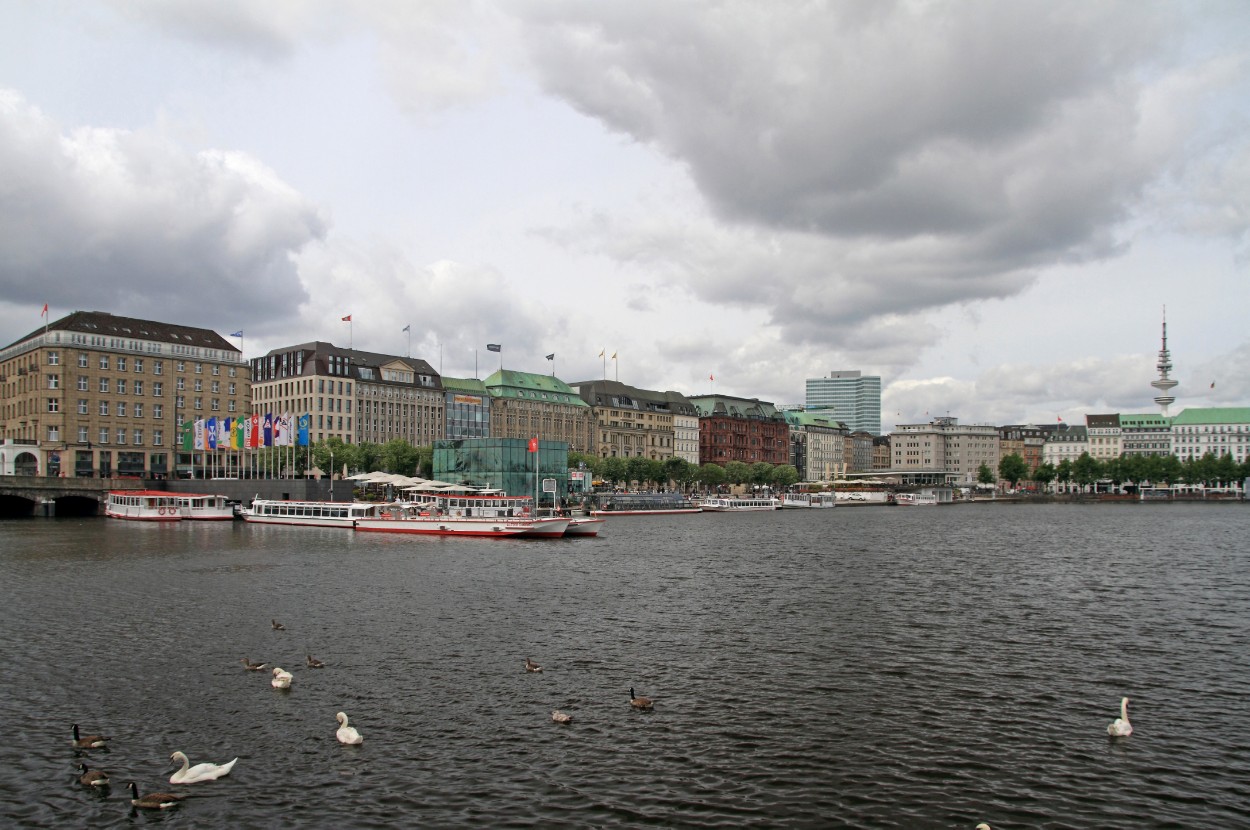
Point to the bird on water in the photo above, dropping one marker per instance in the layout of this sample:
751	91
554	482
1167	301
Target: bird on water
277	626
638	701
153	801
531	666
87	741
1120	727
251	665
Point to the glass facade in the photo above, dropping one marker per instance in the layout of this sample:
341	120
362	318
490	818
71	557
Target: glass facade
848	397
468	415
503	463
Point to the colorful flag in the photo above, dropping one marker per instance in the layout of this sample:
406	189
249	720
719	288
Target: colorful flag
44	313
711	377
494	347
188	436
266	429
533	447
256	439
305	421
237	438
248	432
238	333
1059	418
210	434
199	434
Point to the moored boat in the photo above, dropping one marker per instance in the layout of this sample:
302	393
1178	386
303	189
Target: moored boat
142	506
484	514
205	507
808	500
738	504
915	499
585	526
643	504
307	513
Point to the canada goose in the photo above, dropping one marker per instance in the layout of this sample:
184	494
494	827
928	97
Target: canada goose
200	772
277	626
153	801
92	777
252	666
561	717
530	665
281	678
87	741
347	734
638	702
314	663
1120	727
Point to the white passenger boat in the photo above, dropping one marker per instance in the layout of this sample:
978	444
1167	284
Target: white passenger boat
738	504
585	526
643	504
488	514
307	513
915	499
143	506
808	500
204	507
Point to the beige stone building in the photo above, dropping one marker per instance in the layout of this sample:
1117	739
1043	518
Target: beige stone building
95	394
945	449
638	423
526	405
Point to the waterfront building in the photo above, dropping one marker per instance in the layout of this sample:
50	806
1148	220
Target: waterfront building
849	397
1068	443
860	452
740	429
467	404
881	455
350	394
96	394
506	464
685	427
945	449
1145	435
631	422
1024	440
817	445
1217	430
527	405
1104	436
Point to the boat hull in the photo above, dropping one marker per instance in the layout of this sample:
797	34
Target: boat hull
440	526
585	527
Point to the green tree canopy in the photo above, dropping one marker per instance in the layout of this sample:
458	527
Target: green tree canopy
1045	473
737	472
1086	470
711	475
785	475
1012	468
984	474
614	470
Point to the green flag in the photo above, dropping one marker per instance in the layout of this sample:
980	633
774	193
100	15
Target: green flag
188	436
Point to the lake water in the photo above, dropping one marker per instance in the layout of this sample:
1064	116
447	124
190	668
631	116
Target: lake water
859	667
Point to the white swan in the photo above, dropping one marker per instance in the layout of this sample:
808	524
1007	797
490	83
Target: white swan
561	717
1120	727
281	678
347	734
200	772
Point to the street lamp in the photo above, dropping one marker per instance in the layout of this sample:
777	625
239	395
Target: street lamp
331	475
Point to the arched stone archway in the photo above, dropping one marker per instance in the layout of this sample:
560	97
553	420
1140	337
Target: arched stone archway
26	464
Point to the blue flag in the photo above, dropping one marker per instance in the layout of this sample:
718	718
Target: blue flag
238	333
305	421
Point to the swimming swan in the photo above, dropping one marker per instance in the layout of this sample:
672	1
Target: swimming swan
1120	727
347	734
561	717
200	772
153	801
87	741
281	678
638	702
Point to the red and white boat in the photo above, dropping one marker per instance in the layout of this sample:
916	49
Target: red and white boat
143	506
585	526
481	514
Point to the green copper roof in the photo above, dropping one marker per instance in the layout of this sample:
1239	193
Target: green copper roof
471	385
507	383
1144	421
1213	415
799	418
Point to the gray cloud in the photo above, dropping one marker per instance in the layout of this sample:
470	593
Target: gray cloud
118	220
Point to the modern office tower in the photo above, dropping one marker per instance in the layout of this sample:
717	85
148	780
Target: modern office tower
849	397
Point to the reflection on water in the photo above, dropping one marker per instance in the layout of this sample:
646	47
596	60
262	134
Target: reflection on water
861	667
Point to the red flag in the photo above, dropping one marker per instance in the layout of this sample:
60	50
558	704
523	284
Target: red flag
347	319
44	313
1059	418
711	377
533	445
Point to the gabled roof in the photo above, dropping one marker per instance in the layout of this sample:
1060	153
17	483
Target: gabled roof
473	386
507	383
731	407
797	417
103	324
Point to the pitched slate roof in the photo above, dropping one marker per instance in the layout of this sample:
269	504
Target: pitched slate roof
103	324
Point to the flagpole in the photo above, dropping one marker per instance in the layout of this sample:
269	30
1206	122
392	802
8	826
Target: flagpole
616	367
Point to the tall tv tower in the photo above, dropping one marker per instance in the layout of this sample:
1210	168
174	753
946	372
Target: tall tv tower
1164	384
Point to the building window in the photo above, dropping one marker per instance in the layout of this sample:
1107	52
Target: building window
82	435
104	361
180	402
199	368
158	411
82	406
138	437
158	389
54	405
199	385
82	383
214	405
181	365
104	407
158	437
158	367
181	385
82	360
54	358
138	410
139	365
54	433
216	369
121	409
121	386
54	381
199	403
121	364
104	384
121	436
104	435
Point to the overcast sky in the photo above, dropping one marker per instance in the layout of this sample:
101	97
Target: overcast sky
988	204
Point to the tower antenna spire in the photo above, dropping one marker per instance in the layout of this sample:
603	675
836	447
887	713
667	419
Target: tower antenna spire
1164	384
